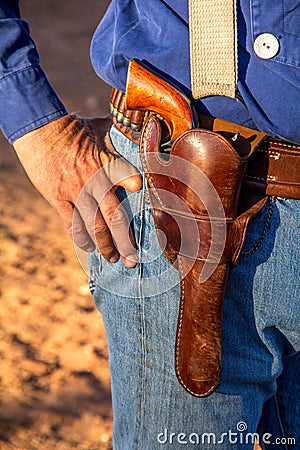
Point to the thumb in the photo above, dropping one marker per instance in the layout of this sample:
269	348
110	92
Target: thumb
132	183
121	173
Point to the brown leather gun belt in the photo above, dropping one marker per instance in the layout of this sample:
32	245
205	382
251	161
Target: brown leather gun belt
273	169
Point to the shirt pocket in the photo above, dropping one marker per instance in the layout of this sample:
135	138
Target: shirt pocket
282	19
291	20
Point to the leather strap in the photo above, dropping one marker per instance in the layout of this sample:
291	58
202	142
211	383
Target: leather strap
213	47
274	169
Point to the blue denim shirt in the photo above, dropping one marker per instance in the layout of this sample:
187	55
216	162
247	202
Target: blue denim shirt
27	100
156	32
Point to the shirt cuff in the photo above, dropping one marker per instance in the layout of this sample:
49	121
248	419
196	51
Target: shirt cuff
27	101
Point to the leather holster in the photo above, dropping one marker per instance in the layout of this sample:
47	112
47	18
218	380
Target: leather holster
195	191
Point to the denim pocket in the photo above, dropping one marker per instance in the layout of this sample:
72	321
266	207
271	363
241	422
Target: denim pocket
258	228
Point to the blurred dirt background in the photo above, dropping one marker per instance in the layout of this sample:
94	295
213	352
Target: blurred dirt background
54	378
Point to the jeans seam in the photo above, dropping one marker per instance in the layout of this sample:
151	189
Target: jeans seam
260	240
279	420
140	420
140	237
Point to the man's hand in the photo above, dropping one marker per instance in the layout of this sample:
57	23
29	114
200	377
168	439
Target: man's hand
72	162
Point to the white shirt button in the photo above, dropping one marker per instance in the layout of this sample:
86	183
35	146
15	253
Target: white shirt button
266	46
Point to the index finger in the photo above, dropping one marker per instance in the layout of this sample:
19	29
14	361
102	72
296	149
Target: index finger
118	222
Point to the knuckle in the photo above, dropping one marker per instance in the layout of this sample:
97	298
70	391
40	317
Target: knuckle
69	229
90	224
75	228
109	212
116	218
101	233
103	237
82	240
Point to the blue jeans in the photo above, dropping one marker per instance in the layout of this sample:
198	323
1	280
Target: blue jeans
260	389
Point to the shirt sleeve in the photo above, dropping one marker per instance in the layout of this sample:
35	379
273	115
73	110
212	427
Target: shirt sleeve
27	99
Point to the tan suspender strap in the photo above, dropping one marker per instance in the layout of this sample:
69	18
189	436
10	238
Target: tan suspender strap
213	47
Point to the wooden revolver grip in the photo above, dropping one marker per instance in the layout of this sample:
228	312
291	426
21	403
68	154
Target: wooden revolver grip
147	92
